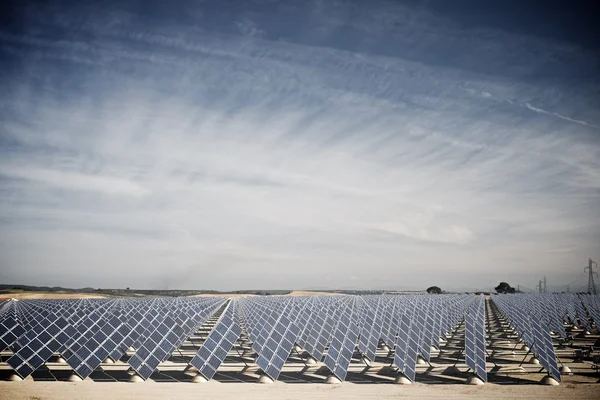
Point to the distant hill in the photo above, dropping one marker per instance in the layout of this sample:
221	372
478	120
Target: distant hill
131	292
127	292
28	288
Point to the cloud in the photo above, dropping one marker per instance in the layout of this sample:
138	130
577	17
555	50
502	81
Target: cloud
563	250
74	180
557	115
180	155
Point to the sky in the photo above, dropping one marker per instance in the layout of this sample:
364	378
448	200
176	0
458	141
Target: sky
298	144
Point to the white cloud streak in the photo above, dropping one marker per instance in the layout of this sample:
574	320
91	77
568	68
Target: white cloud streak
557	115
73	180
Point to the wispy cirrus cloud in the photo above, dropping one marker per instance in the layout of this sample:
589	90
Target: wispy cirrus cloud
73	180
223	155
557	115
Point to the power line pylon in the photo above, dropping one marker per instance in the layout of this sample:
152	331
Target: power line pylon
539	286
589	268
545	287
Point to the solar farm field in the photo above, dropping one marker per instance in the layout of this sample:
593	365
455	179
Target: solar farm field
374	343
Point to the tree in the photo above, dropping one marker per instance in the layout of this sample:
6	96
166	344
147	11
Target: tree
434	290
504	287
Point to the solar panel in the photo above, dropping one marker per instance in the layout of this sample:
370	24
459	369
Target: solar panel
344	341
591	304
402	345
322	327
34	353
414	340
475	338
10	331
166	336
218	343
542	347
534	328
279	343
371	328
97	349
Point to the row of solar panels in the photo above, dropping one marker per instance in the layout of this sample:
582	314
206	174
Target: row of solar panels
330	328
535	316
87	332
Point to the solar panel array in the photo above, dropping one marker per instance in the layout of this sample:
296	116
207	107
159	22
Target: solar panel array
591	304
87	332
531	319
47	334
88	356
421	323
323	314
279	343
337	331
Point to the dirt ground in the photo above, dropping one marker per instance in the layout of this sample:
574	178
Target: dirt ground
232	295
309	293
45	295
30	390
293	293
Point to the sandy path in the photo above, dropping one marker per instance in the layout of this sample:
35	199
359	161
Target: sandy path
229	295
309	293
29	390
293	293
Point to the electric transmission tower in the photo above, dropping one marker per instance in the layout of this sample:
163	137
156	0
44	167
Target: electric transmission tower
591	284
545	287
539	286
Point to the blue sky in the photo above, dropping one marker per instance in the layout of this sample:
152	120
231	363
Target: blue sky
281	144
